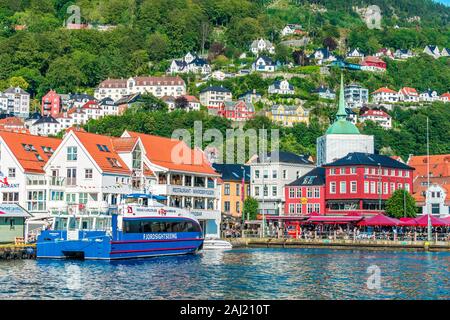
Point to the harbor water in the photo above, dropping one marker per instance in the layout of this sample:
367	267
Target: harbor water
248	273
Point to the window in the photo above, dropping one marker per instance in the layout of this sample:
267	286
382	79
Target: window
366	170
11	172
56	195
366	186
399	186
333	187
88	173
392	187
266	174
332	171
291	193
71	198
83	198
317	207
227	206
386	188
353	188
343	187
353	170
274	191
309	192
238	189
310	208
257	174
238	206
291	208
36	200
407	189
10	197
372	171
342	170
257	191
298	208
400	173
393	172
372	187
226	189
266	191
285	174
316	193
435	208
379	188
299	192
71	176
274	174
72	153
407	174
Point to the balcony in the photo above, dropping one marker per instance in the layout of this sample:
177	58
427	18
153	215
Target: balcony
57	181
36	181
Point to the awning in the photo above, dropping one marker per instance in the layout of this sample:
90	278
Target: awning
287	218
435	222
145	196
379	220
334	220
13	211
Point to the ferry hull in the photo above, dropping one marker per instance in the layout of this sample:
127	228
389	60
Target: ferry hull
98	246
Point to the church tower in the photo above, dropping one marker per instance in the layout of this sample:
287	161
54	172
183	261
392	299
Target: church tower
342	137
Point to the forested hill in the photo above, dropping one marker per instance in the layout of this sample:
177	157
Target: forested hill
35	46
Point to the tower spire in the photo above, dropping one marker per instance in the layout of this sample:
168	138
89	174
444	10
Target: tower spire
341	114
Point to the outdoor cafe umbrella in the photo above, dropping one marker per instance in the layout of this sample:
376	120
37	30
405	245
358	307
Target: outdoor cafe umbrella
408	222
379	220
435	222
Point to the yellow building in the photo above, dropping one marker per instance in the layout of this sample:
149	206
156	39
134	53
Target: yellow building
288	115
231	196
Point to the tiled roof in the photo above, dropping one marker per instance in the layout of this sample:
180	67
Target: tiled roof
28	149
46	119
191	98
124	144
359	158
159	151
108	161
113	83
375	113
216	89
315	177
420	186
408	91
153	81
439	165
384	89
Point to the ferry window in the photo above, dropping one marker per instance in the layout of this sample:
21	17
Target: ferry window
188	181
199	182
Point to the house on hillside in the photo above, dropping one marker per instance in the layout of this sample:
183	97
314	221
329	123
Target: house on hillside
263	64
262	45
432	51
281	87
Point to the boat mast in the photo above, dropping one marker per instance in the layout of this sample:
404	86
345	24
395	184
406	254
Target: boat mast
428	181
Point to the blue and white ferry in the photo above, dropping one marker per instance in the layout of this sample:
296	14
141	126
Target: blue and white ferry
140	227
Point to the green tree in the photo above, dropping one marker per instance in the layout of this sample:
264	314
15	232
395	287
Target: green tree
250	209
18	82
401	204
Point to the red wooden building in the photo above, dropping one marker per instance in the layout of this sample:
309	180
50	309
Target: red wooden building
358	183
236	110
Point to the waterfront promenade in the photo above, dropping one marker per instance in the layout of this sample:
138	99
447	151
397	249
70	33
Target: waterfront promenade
369	244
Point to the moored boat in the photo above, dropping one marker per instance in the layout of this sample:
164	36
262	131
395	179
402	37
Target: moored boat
140	228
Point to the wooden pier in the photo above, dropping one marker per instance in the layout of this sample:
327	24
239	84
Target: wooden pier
341	244
17	251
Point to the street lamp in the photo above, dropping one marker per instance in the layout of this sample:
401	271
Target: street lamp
379	187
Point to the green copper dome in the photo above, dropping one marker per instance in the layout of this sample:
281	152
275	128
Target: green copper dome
341	125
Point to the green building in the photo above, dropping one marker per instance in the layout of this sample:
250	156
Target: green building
12	222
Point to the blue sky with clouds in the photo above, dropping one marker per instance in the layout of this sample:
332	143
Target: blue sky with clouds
447	2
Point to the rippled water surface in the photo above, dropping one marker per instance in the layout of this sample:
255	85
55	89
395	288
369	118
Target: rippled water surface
235	274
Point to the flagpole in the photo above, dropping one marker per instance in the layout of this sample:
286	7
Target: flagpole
428	181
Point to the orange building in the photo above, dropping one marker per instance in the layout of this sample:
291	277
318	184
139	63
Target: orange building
233	194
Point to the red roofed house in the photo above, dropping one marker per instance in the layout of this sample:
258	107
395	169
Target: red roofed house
51	104
93	172
185	176
378	116
445	97
372	63
22	176
408	94
13	124
158	86
385	94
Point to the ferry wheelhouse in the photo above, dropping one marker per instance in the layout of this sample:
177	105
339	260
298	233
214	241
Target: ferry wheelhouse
139	227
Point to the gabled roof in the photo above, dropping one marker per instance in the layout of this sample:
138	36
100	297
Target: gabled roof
231	105
159	151
15	90
359	158
108	161
407	91
124	144
277	84
322	89
282	156
46	119
233	172
106	101
315	177
29	149
266	60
